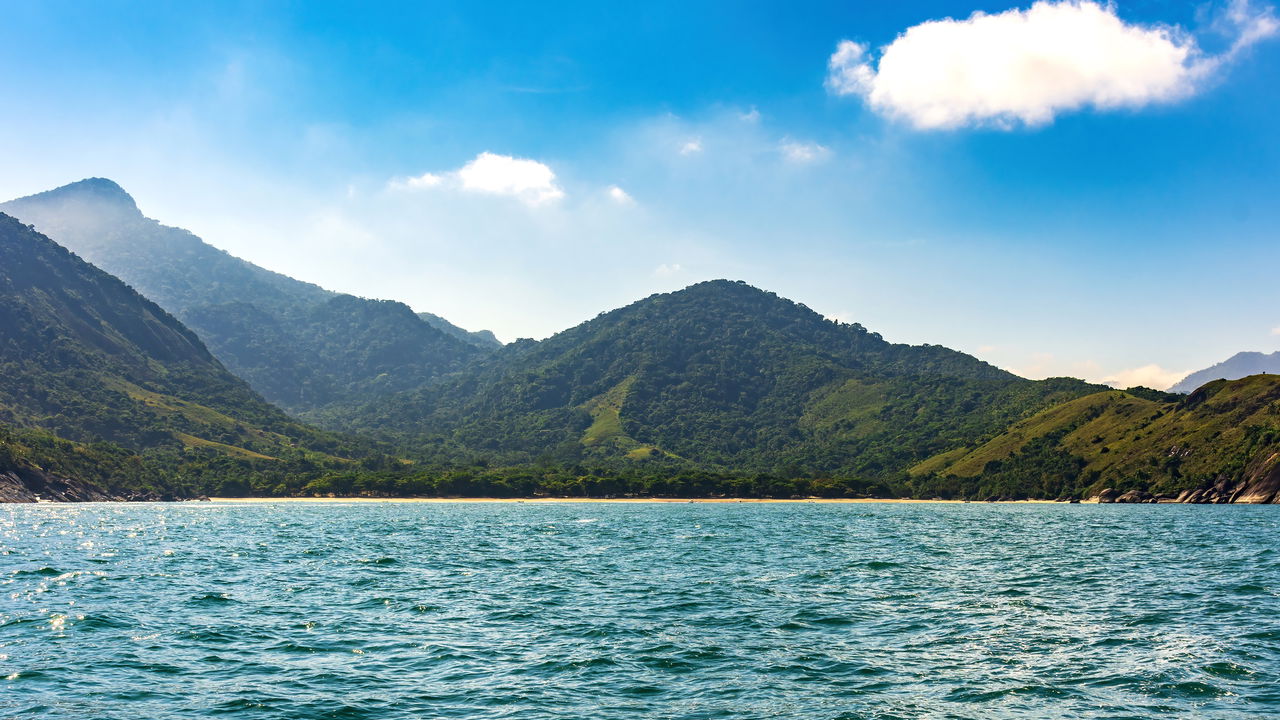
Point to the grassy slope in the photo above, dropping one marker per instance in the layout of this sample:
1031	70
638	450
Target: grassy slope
91	369
1130	442
726	377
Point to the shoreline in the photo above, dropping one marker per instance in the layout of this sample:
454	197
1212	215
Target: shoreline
559	500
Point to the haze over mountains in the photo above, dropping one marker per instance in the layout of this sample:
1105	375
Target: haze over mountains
1240	365
303	347
85	357
715	389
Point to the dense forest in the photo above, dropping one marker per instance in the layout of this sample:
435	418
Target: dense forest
719	375
93	370
298	345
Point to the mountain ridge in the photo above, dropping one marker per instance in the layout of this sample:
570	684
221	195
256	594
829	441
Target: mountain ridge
99	381
1240	365
717	374
289	352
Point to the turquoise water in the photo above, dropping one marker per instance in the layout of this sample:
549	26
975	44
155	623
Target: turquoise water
402	610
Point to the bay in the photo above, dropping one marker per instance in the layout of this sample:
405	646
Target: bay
638	610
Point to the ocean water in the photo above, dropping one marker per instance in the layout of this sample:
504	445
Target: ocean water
602	611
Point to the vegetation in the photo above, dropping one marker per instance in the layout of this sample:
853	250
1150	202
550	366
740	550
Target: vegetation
300	346
717	390
1121	440
721	376
483	339
120	390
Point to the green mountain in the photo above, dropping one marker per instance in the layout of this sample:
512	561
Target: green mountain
302	347
1240	365
719	375
1221	443
483	339
98	381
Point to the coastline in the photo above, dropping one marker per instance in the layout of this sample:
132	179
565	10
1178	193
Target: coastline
558	500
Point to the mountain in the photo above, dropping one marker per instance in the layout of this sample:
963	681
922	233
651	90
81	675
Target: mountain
1221	443
483	339
97	380
1233	368
302	347
719	375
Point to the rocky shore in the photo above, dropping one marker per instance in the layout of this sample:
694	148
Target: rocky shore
28	484
1260	486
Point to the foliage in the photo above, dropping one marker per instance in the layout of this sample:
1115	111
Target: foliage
300	346
720	375
107	374
1123	441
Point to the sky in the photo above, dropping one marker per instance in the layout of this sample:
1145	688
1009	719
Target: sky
1059	188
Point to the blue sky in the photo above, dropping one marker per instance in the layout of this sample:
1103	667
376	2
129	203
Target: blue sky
1067	189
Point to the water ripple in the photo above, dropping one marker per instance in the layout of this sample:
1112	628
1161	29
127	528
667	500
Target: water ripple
527	610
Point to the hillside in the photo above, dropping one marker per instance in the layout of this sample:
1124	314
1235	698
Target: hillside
1220	443
301	346
1235	367
102	371
722	375
483	339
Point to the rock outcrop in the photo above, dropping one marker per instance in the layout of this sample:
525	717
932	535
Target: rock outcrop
26	484
1260	486
1136	496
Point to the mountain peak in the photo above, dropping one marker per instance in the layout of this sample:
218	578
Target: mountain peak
1240	365
95	190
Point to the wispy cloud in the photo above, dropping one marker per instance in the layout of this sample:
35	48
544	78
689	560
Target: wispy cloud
419	182
691	147
619	195
803	152
530	181
1023	67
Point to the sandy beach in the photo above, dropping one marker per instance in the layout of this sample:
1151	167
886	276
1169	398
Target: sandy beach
603	500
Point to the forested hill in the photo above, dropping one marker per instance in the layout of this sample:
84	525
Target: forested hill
299	345
720	374
86	358
483	339
98	220
1221	443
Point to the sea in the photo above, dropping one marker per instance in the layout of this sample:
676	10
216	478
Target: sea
384	610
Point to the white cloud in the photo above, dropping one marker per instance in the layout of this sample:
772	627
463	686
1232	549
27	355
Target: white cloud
691	147
1152	376
528	180
425	180
803	152
1026	66
667	270
750	116
620	196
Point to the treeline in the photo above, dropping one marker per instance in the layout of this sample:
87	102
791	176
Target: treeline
558	481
